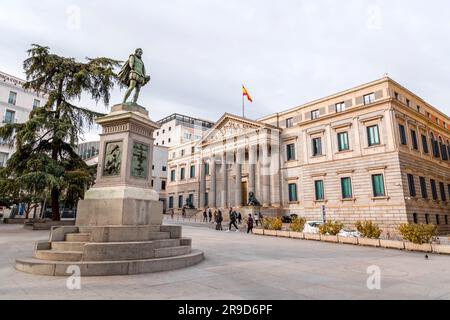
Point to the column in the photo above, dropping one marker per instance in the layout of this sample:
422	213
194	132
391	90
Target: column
252	168
202	179
275	158
238	171
265	174
224	191
212	189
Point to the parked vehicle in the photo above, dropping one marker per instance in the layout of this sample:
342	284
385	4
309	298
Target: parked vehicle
288	219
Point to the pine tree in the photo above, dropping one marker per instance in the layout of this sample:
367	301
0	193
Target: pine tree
46	162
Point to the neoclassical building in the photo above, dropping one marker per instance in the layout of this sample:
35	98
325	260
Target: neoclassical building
375	152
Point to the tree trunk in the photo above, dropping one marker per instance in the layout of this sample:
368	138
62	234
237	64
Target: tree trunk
55	204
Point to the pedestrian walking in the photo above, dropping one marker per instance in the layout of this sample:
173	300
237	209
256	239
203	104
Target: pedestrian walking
219	219
210	214
256	219
233	218
205	216
239	218
250	224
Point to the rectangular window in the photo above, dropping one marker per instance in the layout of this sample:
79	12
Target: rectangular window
444	151
427	218
206	200
434	189
36	104
192	150
373	135
408	102
290	150
289	122
170	202
318	186
378	185
164	168
191	199
182	173
315	114
446	219
343	144
317	147
442	189
411	185
438	220
293	192
423	187
425	143
3	159
172	175
163	185
340	107
346	187
206	168
192	172
12	99
435	147
369	98
182	152
180	201
402	134
416	221
9	117
415	145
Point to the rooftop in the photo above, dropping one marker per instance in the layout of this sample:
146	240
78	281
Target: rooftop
187	119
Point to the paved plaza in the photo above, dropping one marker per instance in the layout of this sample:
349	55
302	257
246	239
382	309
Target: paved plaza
241	266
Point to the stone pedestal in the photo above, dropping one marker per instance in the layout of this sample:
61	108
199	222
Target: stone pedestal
118	227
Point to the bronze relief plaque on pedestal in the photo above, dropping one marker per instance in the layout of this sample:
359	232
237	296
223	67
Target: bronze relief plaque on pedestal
139	161
112	159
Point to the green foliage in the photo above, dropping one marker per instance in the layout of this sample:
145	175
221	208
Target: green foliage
417	233
272	223
297	225
331	228
368	229
45	163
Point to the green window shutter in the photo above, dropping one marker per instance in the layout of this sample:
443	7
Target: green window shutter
292	192
373	135
206	199
319	190
346	185
378	185
206	168
343	144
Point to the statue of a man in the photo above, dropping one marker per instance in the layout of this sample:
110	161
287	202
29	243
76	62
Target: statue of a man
133	75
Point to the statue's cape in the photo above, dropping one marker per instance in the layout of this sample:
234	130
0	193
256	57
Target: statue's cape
124	74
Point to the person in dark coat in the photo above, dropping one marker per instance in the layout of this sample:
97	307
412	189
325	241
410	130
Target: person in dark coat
250	224
205	216
233	218
239	218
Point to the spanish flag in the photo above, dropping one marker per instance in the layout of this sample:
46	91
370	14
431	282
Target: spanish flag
245	93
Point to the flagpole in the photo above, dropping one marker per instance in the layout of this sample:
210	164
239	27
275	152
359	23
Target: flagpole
243	109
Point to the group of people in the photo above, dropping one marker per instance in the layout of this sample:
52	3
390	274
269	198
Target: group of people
234	217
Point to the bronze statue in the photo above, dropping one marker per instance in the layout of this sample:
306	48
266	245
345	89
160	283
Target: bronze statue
252	201
133	75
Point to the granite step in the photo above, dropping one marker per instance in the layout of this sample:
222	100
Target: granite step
172	251
110	268
67	246
78	237
58	255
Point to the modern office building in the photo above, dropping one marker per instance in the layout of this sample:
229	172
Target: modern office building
16	103
178	129
374	152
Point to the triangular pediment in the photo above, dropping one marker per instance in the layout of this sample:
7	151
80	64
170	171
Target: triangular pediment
230	126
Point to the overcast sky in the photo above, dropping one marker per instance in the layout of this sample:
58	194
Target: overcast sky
199	52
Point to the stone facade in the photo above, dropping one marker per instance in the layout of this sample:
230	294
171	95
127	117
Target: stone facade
353	155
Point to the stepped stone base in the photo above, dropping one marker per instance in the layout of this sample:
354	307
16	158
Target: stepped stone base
111	250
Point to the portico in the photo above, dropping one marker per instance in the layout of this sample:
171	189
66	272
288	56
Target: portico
238	157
